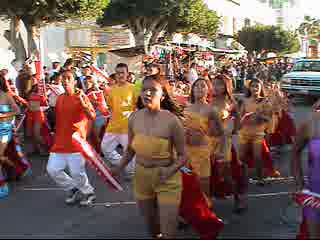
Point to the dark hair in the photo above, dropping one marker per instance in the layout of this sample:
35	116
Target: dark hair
113	76
68	62
227	84
248	91
167	103
55	76
3	84
34	89
192	98
122	65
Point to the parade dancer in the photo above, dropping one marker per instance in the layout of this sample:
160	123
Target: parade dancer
309	134
122	102
54	90
227	175
163	191
8	109
257	120
157	180
201	123
37	128
73	111
98	101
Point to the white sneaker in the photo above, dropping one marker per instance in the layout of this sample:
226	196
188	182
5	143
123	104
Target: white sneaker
88	199
73	196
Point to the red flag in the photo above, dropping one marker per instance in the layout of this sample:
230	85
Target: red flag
307	199
99	73
95	161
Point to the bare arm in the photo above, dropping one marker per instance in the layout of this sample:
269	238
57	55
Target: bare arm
87	107
178	140
215	125
217	130
14	106
303	136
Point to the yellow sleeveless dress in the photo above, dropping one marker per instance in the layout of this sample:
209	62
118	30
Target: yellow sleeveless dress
252	133
198	156
147	180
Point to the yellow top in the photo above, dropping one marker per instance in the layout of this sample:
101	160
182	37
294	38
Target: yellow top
194	121
250	127
122	102
151	147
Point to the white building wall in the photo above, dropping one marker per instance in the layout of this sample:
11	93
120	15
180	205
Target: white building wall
53	44
234	14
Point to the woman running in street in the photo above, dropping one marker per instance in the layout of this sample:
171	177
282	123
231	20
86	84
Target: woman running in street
201	123
228	175
160	153
309	135
8	110
257	120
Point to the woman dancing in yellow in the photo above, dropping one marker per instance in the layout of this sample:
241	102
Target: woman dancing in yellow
156	138
201	123
228	177
257	120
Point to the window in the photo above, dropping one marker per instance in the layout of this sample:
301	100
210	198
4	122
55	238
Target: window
307	66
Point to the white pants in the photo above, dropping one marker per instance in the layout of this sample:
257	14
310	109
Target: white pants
76	163
108	146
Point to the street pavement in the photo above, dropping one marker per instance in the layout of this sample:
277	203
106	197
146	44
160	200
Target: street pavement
36	209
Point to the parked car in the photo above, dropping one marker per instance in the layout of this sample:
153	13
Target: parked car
303	79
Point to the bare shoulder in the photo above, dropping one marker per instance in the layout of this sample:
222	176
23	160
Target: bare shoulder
136	115
169	118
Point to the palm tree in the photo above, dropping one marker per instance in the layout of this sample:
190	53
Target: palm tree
310	30
309	27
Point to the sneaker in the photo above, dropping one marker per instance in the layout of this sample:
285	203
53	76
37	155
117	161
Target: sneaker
88	199
128	176
72	196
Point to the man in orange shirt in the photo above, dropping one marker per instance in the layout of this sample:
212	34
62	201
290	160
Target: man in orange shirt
122	101
73	112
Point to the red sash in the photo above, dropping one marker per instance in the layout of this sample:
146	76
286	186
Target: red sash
94	159
307	199
97	96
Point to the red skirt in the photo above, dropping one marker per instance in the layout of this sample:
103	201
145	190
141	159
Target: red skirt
16	156
303	233
221	188
284	132
195	210
39	117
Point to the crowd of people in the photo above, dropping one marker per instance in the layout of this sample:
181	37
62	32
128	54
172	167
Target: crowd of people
180	142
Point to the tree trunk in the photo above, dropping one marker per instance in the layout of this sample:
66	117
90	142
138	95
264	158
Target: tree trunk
33	41
142	40
15	39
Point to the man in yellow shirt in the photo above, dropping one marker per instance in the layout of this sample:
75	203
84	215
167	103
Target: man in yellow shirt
122	102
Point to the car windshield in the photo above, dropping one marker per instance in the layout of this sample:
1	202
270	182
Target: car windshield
308	66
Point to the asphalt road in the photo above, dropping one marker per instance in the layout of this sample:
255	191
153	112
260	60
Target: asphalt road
36	209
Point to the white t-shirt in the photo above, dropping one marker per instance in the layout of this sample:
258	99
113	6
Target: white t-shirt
193	75
54	93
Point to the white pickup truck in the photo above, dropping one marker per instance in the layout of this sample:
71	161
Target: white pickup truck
304	78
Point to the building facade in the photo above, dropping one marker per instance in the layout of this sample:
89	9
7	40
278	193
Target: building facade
288	12
236	14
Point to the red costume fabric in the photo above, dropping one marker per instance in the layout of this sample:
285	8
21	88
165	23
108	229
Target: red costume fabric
39	117
285	130
195	210
221	188
21	166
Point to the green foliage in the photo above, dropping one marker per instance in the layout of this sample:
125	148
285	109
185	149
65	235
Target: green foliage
309	27
268	38
173	15
197	18
35	12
